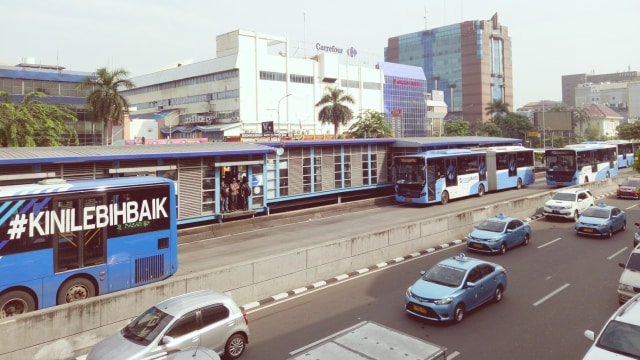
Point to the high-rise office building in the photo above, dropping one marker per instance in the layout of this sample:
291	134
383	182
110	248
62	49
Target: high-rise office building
469	62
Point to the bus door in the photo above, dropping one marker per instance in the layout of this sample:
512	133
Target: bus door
432	178
77	241
452	172
513	168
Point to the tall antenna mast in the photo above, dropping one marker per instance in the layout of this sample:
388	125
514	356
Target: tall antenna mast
425	16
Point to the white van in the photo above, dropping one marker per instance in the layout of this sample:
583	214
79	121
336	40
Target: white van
619	336
629	284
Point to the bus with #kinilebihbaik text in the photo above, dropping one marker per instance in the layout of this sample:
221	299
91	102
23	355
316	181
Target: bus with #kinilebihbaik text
62	241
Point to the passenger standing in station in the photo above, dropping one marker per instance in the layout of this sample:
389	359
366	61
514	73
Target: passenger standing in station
245	192
224	197
233	189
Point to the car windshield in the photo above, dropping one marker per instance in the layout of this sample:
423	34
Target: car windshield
621	338
445	275
492	225
632	183
634	262
146	327
596	213
564	196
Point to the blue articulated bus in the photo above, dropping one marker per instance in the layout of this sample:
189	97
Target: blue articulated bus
580	163
62	241
437	176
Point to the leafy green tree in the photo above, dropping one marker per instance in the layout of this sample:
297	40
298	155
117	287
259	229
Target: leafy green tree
456	128
491	129
629	131
333	110
34	123
514	125
592	133
497	108
105	104
370	124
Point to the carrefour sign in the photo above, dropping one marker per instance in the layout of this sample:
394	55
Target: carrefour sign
350	51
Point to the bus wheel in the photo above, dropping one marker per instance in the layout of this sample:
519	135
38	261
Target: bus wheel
16	302
480	190
75	289
608	175
444	199
586	179
519	184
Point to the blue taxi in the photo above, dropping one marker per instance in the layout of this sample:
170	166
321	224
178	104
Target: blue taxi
601	220
499	233
454	286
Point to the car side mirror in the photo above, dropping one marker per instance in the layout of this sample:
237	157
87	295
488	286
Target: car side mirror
621	265
637	224
166	340
471	284
590	335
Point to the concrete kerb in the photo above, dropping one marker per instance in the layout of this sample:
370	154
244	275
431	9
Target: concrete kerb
257	279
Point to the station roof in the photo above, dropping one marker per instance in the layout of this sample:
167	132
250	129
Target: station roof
37	155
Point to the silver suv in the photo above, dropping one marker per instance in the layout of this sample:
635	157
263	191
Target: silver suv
204	318
568	203
619	337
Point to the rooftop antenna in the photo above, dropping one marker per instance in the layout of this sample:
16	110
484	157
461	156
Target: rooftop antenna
425	16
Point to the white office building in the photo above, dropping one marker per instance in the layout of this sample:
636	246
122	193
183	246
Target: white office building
255	81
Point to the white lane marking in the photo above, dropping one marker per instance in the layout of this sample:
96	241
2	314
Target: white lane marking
549	243
452	355
617	253
550	295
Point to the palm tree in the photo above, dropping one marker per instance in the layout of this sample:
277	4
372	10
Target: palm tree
334	111
497	108
581	116
104	103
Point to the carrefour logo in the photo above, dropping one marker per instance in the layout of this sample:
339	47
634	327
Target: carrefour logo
350	51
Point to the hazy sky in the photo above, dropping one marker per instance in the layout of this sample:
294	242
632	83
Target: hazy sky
550	38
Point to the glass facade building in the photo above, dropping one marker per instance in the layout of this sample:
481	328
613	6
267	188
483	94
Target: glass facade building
469	62
404	90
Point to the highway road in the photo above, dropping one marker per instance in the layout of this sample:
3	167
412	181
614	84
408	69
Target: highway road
559	285
219	251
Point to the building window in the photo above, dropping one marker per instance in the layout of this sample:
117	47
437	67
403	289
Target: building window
370	167
342	171
309	172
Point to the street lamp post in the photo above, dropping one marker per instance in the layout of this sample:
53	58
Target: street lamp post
279	101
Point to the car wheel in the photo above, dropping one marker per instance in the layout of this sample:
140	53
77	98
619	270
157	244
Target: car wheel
444	198
610	233
16	303
503	248
624	226
458	313
519	185
235	346
576	215
497	294
480	190
75	289
525	241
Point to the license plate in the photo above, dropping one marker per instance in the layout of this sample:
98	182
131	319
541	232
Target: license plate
587	230
556	211
407	200
479	246
419	309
